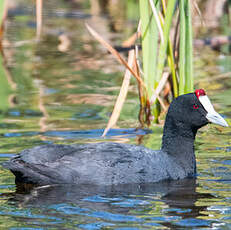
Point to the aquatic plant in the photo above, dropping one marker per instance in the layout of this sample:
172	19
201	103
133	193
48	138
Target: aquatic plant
158	51
167	60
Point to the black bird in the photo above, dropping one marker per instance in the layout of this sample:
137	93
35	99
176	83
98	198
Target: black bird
115	163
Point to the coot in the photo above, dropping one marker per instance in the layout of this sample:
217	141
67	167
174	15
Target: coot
115	163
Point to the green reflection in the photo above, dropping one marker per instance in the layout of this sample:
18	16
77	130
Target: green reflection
5	89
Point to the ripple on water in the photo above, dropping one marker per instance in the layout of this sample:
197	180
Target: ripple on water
70	210
31	216
100	199
96	225
193	222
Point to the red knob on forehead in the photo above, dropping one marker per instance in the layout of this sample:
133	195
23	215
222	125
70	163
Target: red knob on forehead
200	92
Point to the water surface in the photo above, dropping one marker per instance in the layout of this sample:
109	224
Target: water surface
62	88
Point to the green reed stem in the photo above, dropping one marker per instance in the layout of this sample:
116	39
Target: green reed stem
189	49
182	48
163	45
171	64
171	61
186	48
149	34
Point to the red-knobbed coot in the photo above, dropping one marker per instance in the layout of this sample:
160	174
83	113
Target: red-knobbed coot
114	163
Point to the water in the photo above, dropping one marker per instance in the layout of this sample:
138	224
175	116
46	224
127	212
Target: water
65	94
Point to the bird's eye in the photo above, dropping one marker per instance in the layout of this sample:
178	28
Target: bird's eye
195	106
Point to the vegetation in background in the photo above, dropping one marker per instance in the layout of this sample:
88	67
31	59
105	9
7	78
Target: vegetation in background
5	89
159	51
3	14
1	11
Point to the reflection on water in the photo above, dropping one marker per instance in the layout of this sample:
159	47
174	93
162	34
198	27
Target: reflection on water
169	203
62	90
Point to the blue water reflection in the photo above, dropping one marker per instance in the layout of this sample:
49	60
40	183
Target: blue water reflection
85	134
97	133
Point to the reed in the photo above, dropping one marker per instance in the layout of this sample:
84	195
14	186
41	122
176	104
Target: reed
149	45
157	49
39	8
182	59
189	49
149	40
160	59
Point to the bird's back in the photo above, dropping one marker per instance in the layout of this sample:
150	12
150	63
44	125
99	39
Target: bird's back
100	163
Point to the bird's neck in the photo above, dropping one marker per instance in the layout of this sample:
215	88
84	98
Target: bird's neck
178	141
178	137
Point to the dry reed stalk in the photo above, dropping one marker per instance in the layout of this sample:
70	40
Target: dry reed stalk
122	95
115	53
39	7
